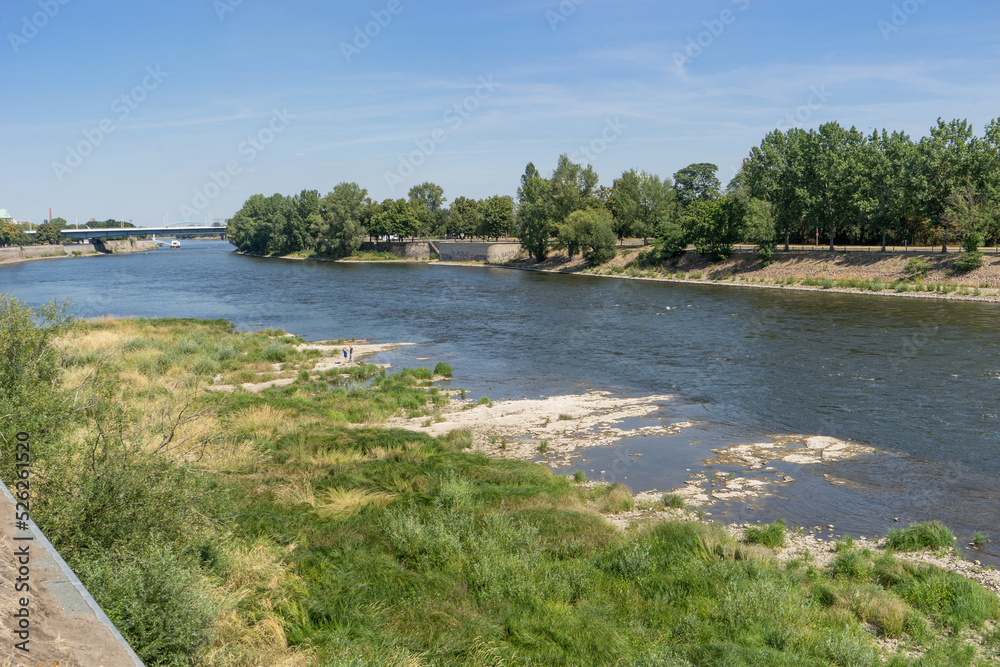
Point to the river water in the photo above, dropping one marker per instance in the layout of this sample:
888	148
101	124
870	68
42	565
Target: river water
917	379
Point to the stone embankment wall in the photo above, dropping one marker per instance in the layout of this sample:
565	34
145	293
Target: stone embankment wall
404	249
95	248
36	251
126	245
467	251
449	251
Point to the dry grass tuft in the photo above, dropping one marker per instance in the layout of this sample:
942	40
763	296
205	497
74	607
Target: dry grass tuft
296	493
342	503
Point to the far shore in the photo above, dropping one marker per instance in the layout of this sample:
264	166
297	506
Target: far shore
787	271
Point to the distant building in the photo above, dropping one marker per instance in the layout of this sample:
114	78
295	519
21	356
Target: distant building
6	217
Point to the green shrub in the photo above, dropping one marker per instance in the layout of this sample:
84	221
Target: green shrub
418	373
920	535
276	352
579	476
917	268
156	602
968	261
442	368
769	535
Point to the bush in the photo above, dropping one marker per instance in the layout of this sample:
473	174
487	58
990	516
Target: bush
671	239
442	368
418	373
917	268
971	242
590	231
158	604
276	352
968	261
920	535
770	535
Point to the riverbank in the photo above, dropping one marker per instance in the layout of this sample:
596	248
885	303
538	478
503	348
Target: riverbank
882	274
306	524
17	254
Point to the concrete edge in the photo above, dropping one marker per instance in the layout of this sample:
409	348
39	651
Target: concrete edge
75	582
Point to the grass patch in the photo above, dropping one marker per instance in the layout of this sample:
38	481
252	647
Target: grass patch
329	539
771	535
612	498
673	501
920	535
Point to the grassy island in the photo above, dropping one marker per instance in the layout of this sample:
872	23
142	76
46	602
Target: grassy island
288	525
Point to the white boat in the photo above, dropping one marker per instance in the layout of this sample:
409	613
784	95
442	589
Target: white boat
175	244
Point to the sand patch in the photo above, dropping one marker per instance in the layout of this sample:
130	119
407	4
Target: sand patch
516	429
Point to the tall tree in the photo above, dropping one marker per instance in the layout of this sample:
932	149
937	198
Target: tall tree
464	219
830	173
714	226
697	182
337	230
47	233
497	216
428	201
572	188
775	172
11	235
639	202
534	214
249	229
394	217
590	231
948	167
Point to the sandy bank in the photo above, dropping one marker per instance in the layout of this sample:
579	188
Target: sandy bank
566	424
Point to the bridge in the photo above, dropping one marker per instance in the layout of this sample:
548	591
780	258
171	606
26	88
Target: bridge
121	232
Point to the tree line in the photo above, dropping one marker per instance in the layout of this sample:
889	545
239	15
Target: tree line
831	183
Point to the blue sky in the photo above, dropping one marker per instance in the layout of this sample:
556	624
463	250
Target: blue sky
181	110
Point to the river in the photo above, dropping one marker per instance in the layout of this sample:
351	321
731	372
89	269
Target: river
917	379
